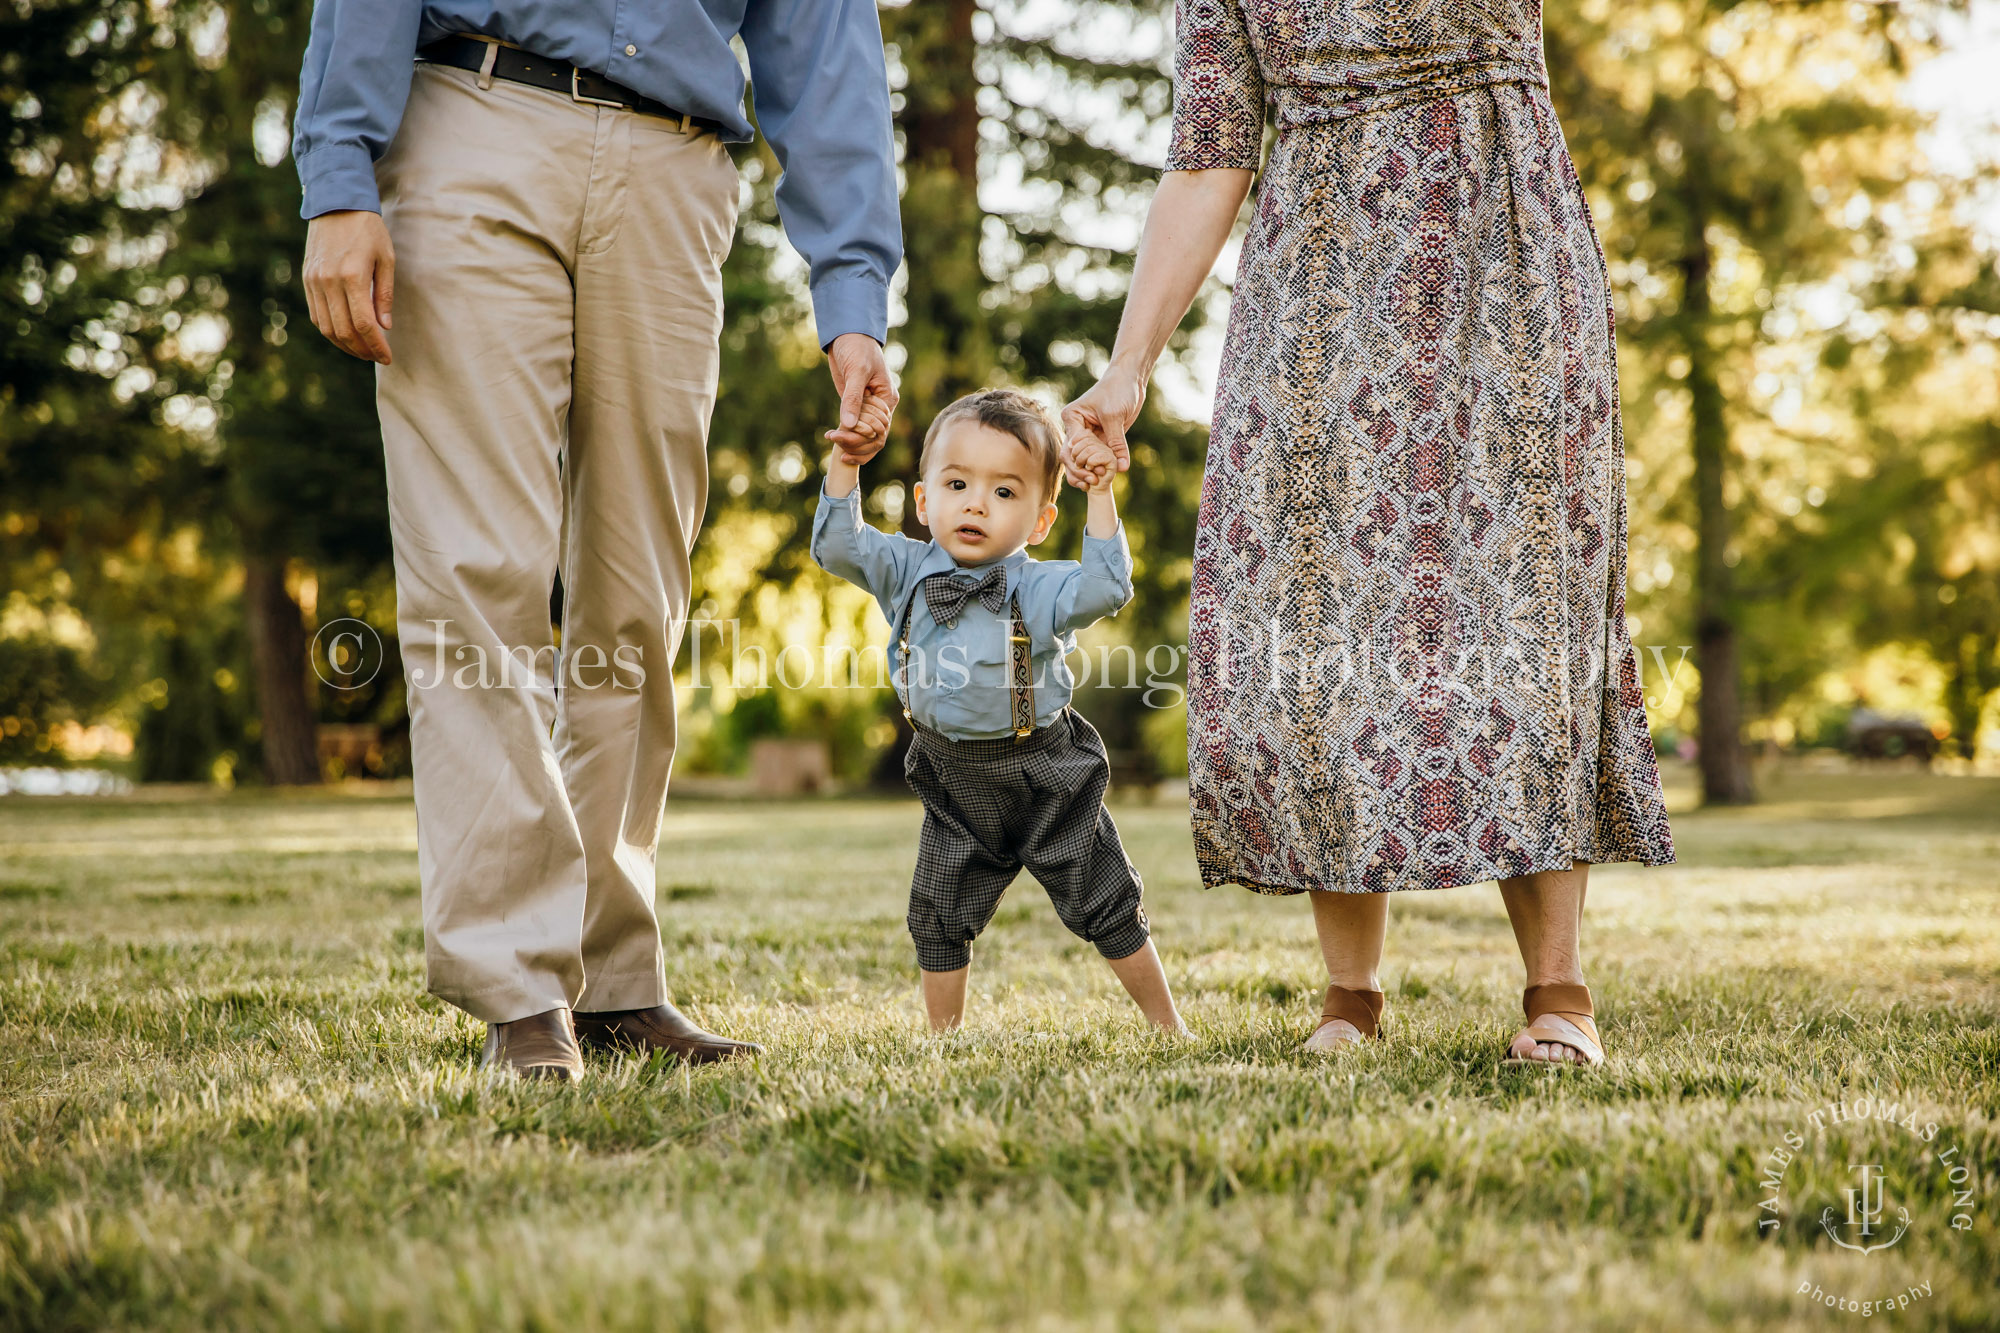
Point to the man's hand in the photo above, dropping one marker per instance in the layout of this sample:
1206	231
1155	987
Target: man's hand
350	281
1099	419
861	378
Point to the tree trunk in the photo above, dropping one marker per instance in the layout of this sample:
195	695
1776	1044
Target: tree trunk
949	352
1725	768
290	734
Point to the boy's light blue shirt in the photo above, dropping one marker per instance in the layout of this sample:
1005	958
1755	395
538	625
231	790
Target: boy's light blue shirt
957	678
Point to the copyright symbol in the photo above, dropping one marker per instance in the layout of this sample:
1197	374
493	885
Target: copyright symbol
347	653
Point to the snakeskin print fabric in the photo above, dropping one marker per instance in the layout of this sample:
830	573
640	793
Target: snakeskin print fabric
1409	663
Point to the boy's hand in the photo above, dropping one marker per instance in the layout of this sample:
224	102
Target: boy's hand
871	426
1098	462
860	372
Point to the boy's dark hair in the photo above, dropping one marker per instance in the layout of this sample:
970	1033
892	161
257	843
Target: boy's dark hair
1014	413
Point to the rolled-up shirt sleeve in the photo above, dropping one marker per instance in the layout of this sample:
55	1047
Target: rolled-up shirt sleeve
1218	89
352	88
821	85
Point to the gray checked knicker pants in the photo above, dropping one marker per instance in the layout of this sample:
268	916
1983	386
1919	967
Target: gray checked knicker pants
994	806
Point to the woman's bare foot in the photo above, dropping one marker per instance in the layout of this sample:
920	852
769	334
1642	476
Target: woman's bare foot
1526	1047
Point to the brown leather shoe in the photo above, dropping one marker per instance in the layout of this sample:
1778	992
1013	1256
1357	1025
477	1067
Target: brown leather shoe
539	1046
661	1028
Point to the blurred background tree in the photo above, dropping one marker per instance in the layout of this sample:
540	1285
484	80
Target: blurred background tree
1018	126
190	480
1790	267
176	467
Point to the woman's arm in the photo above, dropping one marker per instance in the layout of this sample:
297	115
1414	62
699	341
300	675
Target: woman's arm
1190	219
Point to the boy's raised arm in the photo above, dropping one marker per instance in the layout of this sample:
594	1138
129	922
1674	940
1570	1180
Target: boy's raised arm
846	546
1098	585
1101	583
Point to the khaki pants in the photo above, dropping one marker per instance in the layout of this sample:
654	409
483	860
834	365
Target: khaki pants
557	314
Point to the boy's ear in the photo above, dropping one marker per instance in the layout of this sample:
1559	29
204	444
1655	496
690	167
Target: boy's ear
1043	524
917	491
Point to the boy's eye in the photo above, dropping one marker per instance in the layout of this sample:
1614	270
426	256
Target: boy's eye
957	484
1005	492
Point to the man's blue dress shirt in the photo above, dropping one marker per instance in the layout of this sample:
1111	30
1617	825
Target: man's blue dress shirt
822	101
959	680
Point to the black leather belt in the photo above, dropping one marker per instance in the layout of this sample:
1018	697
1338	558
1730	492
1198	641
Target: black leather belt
572	81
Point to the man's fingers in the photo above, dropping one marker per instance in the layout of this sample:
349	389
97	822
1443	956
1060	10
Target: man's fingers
316	308
854	441
385	288
867	397
342	331
361	312
871	425
850	402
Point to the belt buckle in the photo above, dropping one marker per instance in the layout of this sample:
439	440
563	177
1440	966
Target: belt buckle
576	93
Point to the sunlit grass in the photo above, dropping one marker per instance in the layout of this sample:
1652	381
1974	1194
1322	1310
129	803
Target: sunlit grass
229	1104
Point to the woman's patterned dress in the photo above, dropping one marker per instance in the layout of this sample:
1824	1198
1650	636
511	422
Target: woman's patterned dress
1409	664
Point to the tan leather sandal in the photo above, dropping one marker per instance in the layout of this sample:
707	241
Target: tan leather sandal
1559	1014
1363	1008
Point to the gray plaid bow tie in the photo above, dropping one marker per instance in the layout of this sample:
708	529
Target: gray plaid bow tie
947	594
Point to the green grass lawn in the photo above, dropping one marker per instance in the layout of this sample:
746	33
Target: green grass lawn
225	1101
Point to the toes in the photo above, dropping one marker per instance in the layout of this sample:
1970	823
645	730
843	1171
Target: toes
1526	1047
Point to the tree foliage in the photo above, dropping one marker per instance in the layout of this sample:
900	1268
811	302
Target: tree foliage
188	473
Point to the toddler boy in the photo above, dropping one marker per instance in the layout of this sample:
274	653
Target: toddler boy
1008	773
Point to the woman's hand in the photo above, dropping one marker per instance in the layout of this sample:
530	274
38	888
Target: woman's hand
1190	218
1099	420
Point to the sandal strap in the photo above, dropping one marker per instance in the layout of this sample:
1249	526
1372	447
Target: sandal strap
1363	1008
1547	1033
1562	998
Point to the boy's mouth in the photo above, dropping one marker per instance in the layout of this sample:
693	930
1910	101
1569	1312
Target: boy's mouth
969	533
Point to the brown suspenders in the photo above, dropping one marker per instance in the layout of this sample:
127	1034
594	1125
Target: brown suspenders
1021	663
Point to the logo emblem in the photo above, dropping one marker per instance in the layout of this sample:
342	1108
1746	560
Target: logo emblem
1915	1165
1864	1215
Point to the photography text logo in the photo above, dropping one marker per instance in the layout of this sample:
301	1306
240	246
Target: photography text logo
348	654
1872	1212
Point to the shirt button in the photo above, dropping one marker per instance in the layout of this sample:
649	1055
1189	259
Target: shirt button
631	50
